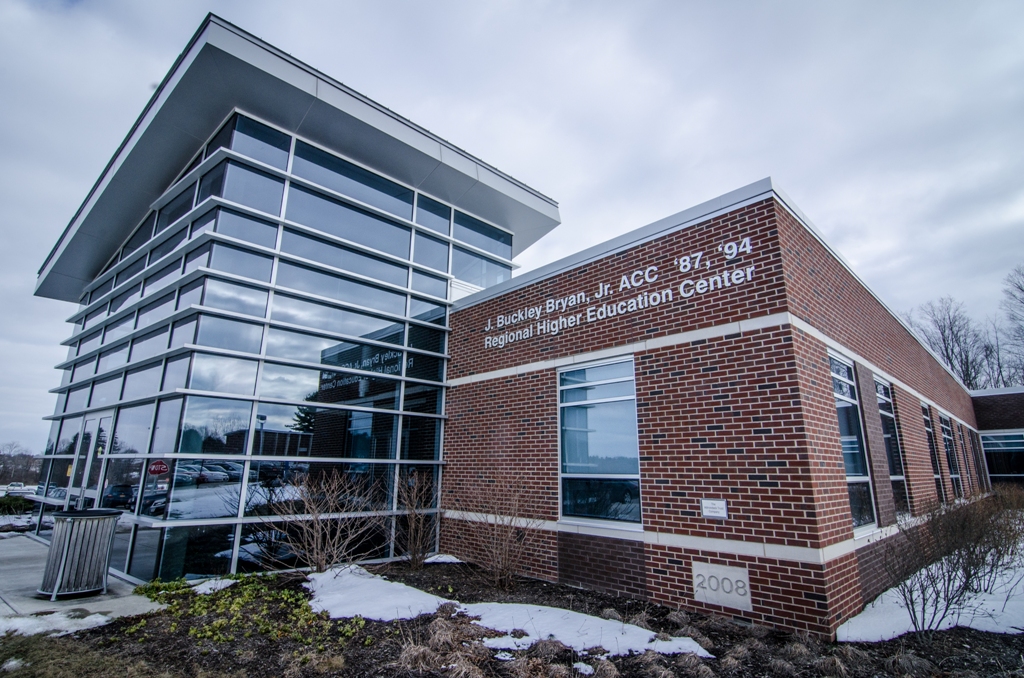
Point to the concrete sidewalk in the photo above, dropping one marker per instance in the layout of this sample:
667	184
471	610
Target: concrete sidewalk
22	561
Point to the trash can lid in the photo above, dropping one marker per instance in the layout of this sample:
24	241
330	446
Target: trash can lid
87	513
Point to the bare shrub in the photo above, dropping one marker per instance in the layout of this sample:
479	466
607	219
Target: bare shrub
319	519
942	560
500	504
611	613
417	495
605	669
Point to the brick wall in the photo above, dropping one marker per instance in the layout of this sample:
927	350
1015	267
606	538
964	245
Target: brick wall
611	565
999	411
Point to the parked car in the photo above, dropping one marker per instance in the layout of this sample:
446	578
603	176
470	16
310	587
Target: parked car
118	496
234	474
205	475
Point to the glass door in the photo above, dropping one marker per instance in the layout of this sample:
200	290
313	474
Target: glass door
89	460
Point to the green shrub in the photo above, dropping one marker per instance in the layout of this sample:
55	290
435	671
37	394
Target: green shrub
12	505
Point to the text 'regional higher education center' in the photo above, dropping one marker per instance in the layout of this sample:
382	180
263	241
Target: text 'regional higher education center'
278	278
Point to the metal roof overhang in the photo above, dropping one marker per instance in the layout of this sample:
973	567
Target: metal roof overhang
224	68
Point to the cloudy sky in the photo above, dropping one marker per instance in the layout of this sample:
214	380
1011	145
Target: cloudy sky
896	127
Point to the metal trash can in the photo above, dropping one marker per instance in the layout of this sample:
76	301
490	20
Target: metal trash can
79	552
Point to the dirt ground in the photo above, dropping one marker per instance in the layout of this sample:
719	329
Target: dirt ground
263	627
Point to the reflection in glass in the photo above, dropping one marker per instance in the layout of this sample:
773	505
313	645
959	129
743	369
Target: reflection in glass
140	237
305	431
433	215
424	367
89	343
243	185
168	246
176	373
165	433
142	382
105	392
126	297
851	439
282	487
200	490
478	234
600	438
214	426
426	338
196	552
121	485
596	373
149	345
121	328
242	263
158	310
344	221
78	399
237	225
223	374
339	388
229	334
422	398
421	438
129	271
477	270
338	175
238	298
606	499
429	284
427	311
67	441
323	317
175	209
336	287
145	553
113	358
431	252
84	369
131	435
259	142
344	258
191	294
861	506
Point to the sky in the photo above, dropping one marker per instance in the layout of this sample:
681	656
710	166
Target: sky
897	128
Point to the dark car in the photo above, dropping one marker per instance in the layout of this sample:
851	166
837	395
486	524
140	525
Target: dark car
118	496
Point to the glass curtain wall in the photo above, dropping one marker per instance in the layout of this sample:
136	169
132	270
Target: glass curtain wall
281	317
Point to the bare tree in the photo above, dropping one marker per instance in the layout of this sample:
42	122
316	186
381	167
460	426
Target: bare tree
321	519
1013	306
18	464
955	338
415	530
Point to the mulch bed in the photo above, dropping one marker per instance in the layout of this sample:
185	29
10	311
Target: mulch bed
167	641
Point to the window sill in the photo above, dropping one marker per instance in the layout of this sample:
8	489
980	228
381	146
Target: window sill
601	528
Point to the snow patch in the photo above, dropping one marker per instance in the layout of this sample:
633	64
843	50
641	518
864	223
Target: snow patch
213	585
583	669
57	622
442	558
574	629
353	591
504	656
13	664
886	618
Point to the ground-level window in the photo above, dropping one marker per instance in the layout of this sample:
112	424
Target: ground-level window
933	450
893	448
600	459
851	435
950	447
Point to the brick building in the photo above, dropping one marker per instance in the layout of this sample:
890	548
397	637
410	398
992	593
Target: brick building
712	411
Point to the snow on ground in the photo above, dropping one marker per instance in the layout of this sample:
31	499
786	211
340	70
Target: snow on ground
354	591
58	622
442	558
574	629
213	585
886	618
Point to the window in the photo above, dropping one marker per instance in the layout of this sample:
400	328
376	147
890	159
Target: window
433	215
600	458
253	139
477	270
244	186
950	447
338	219
478	234
336	287
345	258
1005	454
966	459
933	451
851	436
893	449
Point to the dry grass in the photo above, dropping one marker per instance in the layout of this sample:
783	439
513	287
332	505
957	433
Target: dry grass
418	658
611	613
48	657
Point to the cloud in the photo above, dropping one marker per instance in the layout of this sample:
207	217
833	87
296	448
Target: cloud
895	127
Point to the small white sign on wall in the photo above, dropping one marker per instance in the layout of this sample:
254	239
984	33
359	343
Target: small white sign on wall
721	585
714	508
